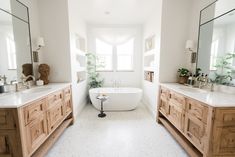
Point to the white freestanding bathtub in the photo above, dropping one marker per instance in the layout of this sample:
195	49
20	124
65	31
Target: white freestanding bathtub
119	99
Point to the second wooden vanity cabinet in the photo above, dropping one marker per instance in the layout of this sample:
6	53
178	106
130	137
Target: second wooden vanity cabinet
201	129
31	129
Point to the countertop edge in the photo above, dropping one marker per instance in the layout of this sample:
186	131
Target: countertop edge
167	85
59	86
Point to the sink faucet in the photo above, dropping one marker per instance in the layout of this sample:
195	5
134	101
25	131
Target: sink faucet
4	78
25	83
203	81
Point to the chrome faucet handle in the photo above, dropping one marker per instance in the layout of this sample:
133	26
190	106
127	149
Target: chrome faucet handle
16	83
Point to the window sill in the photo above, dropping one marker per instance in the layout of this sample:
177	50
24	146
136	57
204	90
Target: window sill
125	71
104	71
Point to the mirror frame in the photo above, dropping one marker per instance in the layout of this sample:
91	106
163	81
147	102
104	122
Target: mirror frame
201	24
28	23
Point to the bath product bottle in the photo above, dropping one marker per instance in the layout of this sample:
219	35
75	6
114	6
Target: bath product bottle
190	80
1	88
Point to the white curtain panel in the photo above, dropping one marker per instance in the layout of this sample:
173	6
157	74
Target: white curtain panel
114	36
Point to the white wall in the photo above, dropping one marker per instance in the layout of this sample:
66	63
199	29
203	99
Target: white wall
34	28
126	79
175	29
153	27
54	26
33	18
77	26
197	6
171	24
59	22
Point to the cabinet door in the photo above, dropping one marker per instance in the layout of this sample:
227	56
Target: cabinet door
55	115
224	141
176	116
5	150
164	107
7	120
36	133
195	131
10	145
67	106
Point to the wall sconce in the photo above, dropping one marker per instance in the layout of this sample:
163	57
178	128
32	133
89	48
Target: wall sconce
40	43
190	46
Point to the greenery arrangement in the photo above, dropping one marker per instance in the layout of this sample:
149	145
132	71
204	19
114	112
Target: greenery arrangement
183	75
183	72
198	72
224	72
94	80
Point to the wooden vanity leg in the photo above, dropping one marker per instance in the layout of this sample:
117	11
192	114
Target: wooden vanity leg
209	130
158	106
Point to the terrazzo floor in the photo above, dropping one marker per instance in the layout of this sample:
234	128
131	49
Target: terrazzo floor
120	134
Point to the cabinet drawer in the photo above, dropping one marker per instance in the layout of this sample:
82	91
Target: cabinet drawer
54	116
164	93
67	106
225	117
36	133
164	106
195	130
67	92
34	110
55	98
196	109
7	120
176	116
178	99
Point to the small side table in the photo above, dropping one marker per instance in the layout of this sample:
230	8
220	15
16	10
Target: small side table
102	99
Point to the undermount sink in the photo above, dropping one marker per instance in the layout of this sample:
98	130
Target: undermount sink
35	90
194	90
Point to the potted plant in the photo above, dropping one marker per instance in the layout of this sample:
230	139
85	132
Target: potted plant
94	80
183	75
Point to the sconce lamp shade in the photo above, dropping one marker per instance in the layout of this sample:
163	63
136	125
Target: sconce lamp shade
189	44
40	42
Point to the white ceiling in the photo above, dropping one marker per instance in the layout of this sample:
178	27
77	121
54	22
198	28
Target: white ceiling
117	11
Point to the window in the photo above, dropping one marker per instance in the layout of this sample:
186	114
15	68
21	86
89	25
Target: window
104	54
11	53
114	57
214	53
125	56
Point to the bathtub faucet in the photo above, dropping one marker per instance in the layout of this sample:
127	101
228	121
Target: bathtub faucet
116	84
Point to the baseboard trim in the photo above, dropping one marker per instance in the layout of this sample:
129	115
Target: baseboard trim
150	109
79	109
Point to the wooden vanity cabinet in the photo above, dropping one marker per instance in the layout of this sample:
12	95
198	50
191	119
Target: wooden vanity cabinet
164	105
203	130
30	130
36	133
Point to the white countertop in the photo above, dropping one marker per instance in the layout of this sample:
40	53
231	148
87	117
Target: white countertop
214	99
18	99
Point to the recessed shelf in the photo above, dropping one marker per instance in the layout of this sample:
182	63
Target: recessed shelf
149	53
148	82
81	76
80	53
152	69
149	76
81	69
